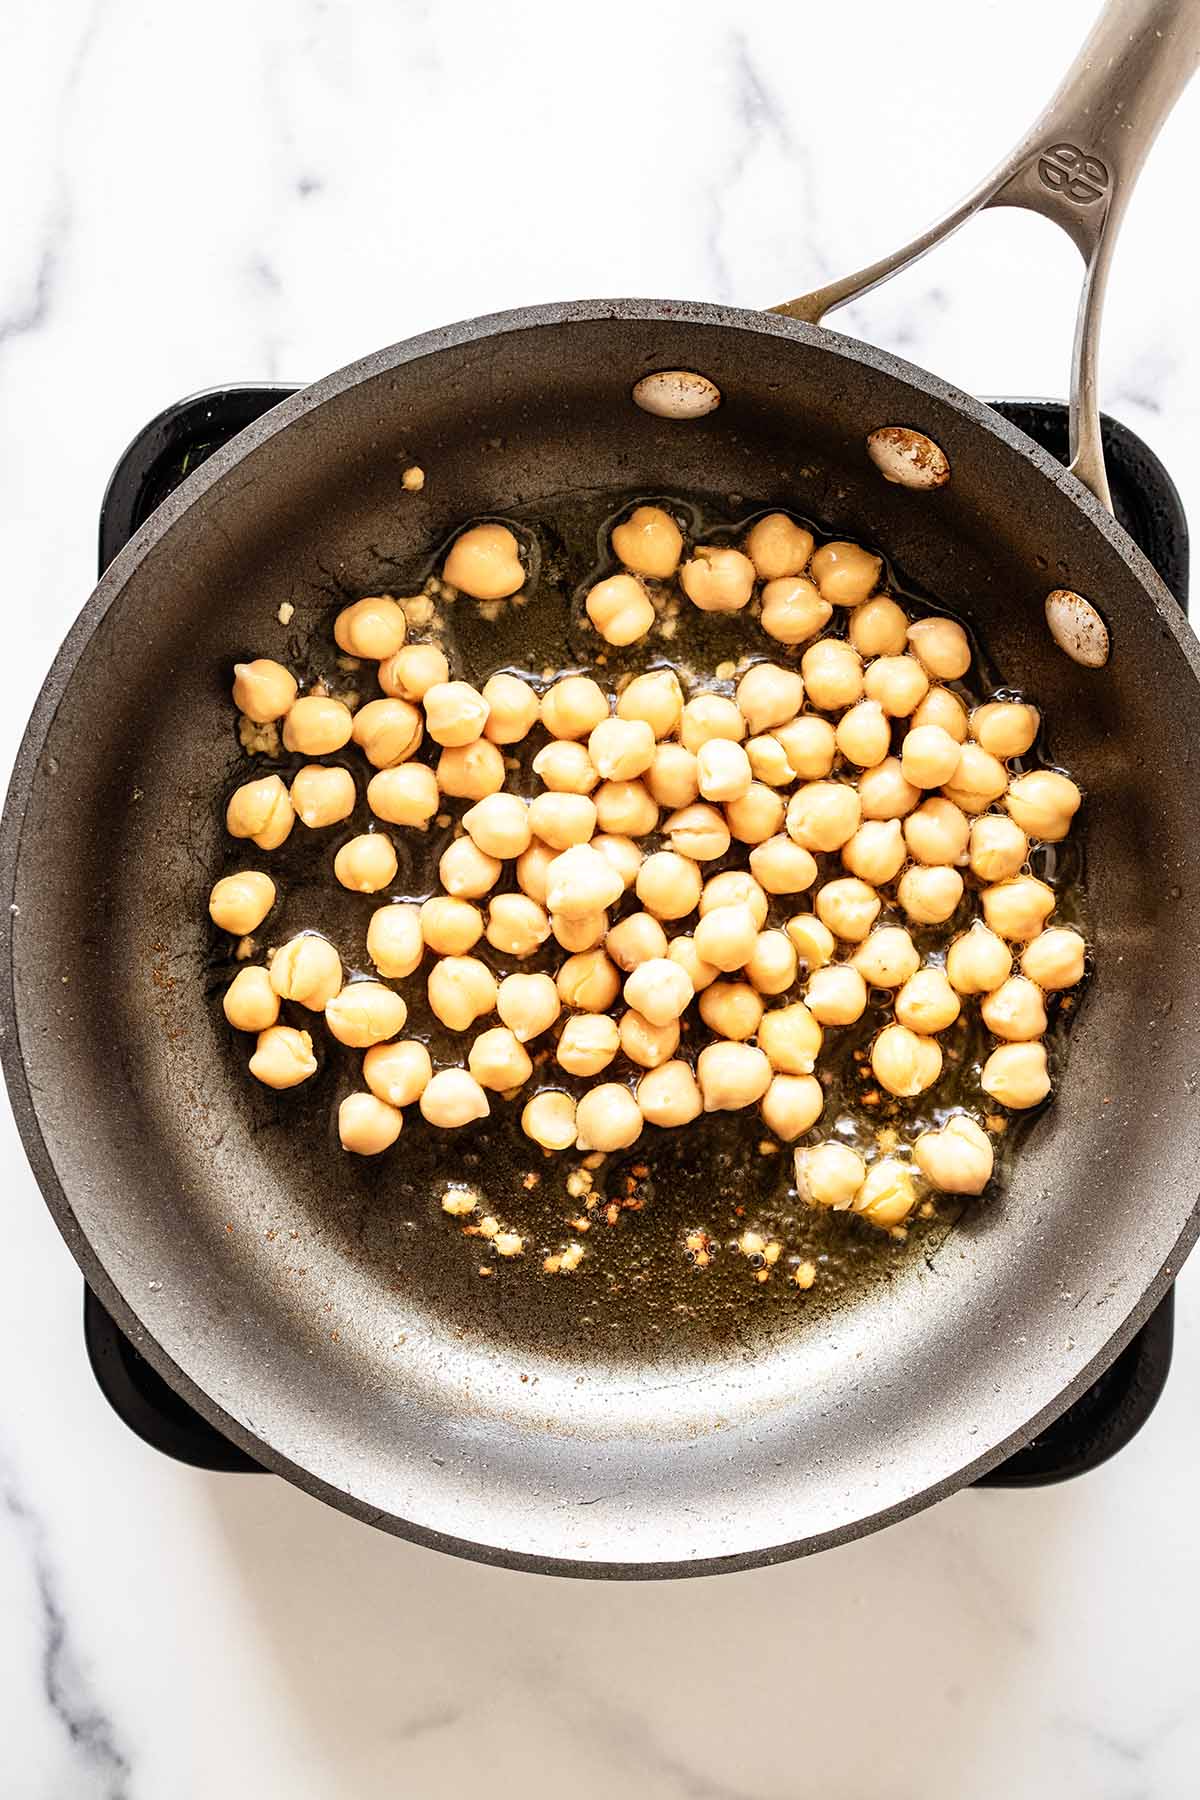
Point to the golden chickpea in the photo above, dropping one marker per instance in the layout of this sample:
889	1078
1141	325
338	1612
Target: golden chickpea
829	1175
942	647
1005	728
735	887
453	1098
899	683
777	546
731	1009
588	982
732	1076
322	796
768	695
411	672
883	792
978	962
1016	1075
471	771
930	895
455	714
978	780
864	734
833	674
845	573
368	1125
879	627
655	698
791	1039
461	989
942	708
904	1063
672	777
283	1057
927	1003
621	749
498	1061
637	939
1043	803
781	866
306	969
528	1005
517	926
1055	959
262	811
608	1118
367	863
465	872
769	763
565	767
398	1072
958	1159
549	1119
717	579
726	936
485	562
573	707
877	852
1015	1012
625	856
394	940
792	1105
887	957
710	716
263	690
793	610
669	1095
848	907
513	708
317	725
625	809
450	927
499	825
823	815
810	745
585	931
404	796
756	816
587	1044
937	832
659	989
811	939
649	542
250	1002
620	609
888	1194
836	995
698	832
365	1013
580	881
532	865
929	756
722	770
239	903
1018	909
374	628
561	820
647	1044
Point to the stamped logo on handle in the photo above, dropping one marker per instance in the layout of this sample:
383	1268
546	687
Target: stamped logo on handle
1069	171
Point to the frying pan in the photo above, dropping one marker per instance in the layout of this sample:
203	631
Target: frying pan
314	1308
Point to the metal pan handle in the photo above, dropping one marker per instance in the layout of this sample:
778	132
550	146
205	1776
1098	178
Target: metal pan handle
1077	166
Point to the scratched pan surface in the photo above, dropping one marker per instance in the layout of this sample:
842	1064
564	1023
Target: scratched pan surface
319	1309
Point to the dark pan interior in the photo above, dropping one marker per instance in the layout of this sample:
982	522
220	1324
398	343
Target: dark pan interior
314	1306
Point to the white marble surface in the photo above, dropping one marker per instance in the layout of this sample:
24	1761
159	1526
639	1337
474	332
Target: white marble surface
197	194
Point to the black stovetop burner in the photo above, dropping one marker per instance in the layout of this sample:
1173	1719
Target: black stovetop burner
1103	1419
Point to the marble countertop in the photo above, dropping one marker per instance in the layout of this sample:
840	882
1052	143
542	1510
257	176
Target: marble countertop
246	192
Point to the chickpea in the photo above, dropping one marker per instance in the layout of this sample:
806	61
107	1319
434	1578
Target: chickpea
1055	959
588	982
717	579
580	880
941	707
453	1098
625	809
239	903
888	1194
620	609
829	1175
883	792
649	542
958	1159
904	1063
929	756
561	820
588	1043
395	943
978	962
845	573
669	1095
374	628
470	771
411	672
659	989
793	610
573	707
732	1076
682	950
1016	1075
637	939
927	1003
781	866
876	853
260	810
756	816
879	627
942	648
1018	909
465	872
672	777
517	925
792	1105
1043	803
398	1072
848	907
621	749
322	796
485	562
899	683
306	969
931	895
407	795
777	546
726	936
655	698
811	939
528	1005
887	957
263	690
250	1002
722	770
450	927
365	1013
810	745
549	1119
647	1044
499	825
734	887
283	1057
731	1009
565	767
625	856
1015	1012
608	1118
532	865
455	714
710	716
461	989
978	780
937	832
1005	728
583	932
769	763
367	863
864	734
698	832
998	847
836	994
513	708
768	695
823	815
366	1124
833	674
317	725
498	1061
791	1038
